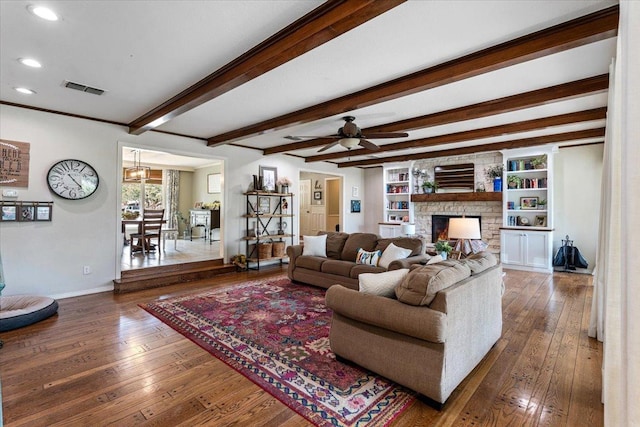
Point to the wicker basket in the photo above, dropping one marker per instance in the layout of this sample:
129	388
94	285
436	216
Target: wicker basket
264	250
278	249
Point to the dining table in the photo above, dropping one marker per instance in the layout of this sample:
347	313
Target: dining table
136	221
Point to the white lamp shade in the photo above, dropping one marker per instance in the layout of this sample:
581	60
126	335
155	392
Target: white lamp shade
464	228
408	229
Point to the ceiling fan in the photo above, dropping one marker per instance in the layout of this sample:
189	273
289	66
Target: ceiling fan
350	136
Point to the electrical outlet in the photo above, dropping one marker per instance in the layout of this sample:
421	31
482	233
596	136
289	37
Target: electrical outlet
86	269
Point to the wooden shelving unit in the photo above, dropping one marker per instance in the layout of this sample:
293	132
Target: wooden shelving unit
266	215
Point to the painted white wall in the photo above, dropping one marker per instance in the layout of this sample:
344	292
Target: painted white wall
577	173
47	258
374	194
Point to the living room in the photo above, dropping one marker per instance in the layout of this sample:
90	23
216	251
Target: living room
47	258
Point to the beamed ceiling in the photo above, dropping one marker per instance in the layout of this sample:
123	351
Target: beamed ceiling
458	77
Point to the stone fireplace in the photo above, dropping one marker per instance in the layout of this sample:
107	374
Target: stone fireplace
490	214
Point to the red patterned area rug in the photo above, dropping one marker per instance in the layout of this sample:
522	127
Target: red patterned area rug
277	334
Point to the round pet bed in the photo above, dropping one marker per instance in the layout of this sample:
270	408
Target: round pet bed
17	311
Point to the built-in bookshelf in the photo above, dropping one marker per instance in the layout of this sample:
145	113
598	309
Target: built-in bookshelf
397	194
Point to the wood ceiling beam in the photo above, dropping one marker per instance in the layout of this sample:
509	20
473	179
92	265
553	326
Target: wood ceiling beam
505	145
483	109
577	32
469	135
326	22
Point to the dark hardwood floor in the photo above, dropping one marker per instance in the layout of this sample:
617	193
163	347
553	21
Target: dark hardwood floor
103	360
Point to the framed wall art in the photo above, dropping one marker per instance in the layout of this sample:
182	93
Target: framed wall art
214	181
528	203
9	213
264	205
355	206
317	195
269	177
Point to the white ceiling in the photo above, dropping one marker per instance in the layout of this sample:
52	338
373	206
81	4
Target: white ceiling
144	52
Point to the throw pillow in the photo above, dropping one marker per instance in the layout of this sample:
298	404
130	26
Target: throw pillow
315	245
382	284
369	258
391	254
421	286
435	259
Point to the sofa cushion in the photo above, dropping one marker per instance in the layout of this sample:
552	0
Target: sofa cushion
336	266
416	244
366	257
315	245
358	269
355	241
392	253
335	243
310	262
383	284
421	285
480	262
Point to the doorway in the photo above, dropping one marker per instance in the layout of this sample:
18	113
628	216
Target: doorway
320	203
180	185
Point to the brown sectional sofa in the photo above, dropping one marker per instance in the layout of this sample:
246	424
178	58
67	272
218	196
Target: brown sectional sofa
444	320
339	266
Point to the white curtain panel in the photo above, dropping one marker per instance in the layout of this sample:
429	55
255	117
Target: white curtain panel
614	319
171	180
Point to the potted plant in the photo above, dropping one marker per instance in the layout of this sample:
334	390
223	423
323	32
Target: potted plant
443	248
284	184
514	181
542	203
540	162
494	173
429	187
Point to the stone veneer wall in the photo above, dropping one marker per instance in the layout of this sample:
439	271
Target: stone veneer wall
491	212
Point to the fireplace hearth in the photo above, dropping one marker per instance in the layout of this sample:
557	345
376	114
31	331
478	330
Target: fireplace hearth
440	226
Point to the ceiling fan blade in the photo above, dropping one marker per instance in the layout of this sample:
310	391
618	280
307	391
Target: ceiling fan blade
326	147
368	144
379	135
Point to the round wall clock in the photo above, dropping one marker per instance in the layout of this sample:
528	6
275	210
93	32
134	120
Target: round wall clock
72	179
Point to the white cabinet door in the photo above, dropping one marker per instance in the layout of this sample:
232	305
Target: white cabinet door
511	247
387	231
537	251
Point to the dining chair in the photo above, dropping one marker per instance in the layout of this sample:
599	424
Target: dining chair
150	228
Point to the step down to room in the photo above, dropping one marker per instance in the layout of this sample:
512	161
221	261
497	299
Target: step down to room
155	277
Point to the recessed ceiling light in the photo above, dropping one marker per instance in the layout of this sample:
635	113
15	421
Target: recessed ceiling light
43	12
30	62
25	90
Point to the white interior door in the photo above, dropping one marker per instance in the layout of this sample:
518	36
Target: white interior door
305	207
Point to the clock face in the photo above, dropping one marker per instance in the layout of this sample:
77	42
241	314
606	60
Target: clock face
72	179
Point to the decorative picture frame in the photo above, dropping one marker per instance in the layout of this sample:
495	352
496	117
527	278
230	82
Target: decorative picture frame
269	178
9	213
317	195
264	205
198	205
355	191
528	202
540	221
27	213
43	212
214	183
355	206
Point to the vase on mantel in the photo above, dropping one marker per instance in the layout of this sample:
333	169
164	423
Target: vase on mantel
497	184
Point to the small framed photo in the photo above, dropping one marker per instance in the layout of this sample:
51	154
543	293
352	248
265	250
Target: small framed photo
214	181
27	213
317	195
264	205
43	213
540	221
198	205
9	213
269	177
355	206
528	203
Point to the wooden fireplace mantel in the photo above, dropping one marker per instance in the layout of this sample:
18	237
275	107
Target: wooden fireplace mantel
495	196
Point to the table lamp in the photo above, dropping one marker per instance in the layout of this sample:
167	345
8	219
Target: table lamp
464	229
408	229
